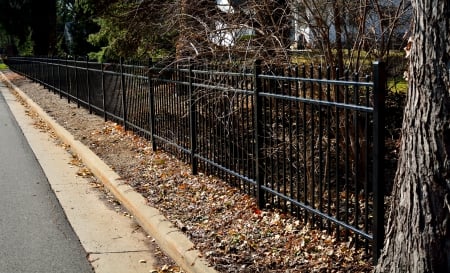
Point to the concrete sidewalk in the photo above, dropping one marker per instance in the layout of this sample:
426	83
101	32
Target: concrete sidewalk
169	238
112	242
35	235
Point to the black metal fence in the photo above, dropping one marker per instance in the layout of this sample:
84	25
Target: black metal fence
309	140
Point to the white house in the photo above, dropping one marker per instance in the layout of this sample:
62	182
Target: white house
304	27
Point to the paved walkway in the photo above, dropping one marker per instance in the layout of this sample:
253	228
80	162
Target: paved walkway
113	243
35	235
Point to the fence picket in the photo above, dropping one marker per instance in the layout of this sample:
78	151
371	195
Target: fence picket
285	135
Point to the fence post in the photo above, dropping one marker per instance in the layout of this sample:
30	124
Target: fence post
151	105
124	95
258	135
193	123
379	90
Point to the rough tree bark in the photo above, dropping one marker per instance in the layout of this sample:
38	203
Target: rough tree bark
418	231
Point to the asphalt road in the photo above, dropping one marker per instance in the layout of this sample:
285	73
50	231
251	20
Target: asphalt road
35	235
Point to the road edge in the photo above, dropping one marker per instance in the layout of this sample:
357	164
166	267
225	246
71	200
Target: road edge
169	238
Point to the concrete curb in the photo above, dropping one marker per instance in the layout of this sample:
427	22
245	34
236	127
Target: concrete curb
171	240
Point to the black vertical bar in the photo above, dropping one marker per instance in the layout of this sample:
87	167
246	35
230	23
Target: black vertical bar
178	107
52	62
130	84
59	76
158	92
298	142
44	72
36	69
172	119
312	145
245	140
58	80
358	161
366	166
41	70
258	136
347	152
177	121
76	82
53	74
338	155
47	74
193	123
151	105
143	89
284	116
275	166
103	91
248	139
124	95
320	176
240	135
68	82
378	156
31	70
27	66
270	119
137	103
328	152
88	89
291	143
58	71
304	144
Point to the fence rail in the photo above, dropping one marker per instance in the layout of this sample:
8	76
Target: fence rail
309	140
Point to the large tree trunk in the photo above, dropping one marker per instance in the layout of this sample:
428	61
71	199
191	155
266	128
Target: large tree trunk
418	232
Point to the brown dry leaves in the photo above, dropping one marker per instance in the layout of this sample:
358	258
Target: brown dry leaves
168	269
224	224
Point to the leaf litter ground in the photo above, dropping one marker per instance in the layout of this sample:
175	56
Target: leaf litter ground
232	234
